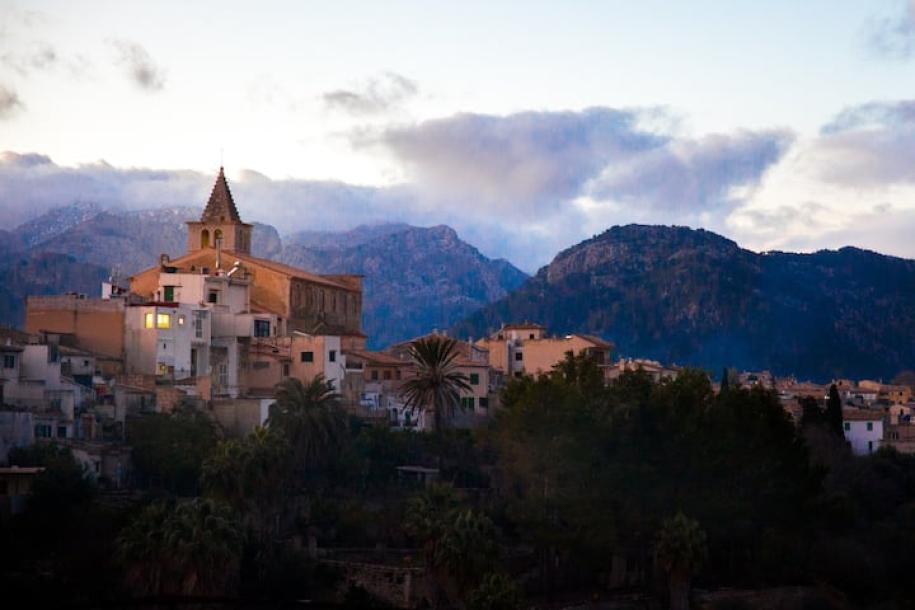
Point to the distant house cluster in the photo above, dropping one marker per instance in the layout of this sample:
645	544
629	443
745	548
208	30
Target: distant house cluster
874	414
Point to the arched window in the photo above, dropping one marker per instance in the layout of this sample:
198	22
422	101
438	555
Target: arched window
204	239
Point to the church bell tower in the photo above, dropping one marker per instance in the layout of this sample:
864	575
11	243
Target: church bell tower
220	223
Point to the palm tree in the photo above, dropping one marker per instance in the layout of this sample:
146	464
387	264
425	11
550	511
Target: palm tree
311	419
681	548
249	474
192	549
459	546
437	384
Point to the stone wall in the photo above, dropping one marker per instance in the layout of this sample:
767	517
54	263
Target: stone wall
399	586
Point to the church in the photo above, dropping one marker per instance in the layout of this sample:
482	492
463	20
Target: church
220	240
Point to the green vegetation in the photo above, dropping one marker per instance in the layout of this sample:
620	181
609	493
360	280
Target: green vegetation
574	488
437	384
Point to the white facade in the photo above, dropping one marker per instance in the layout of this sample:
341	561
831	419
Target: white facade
863	433
169	340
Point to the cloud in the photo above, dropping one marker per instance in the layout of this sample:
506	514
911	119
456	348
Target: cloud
872	114
9	102
376	96
692	175
893	37
31	184
142	70
869	145
40	58
525	163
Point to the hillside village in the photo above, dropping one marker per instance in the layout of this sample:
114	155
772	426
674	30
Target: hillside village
206	348
218	328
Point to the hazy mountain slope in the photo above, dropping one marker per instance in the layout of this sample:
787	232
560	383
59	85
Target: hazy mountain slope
43	273
693	297
345	239
416	279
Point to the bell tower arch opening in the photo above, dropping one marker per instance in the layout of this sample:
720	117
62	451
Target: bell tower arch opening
205	239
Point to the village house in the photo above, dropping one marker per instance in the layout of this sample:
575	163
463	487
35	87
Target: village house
652	368
526	349
863	429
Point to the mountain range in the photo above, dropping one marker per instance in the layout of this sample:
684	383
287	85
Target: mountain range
416	279
674	294
692	297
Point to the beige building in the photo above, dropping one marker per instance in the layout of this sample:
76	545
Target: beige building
526	349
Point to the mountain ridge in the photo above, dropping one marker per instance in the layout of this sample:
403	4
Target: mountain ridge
694	297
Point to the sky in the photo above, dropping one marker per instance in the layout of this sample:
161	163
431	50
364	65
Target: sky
527	126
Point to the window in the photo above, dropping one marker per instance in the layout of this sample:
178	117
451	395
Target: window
307	356
285	369
43	431
9	361
518	356
467	402
61	432
168	293
870	446
262	328
847	426
870	426
387	375
213	296
474	379
484	402
198	323
332	355
374	375
163	320
148	320
531	336
397	375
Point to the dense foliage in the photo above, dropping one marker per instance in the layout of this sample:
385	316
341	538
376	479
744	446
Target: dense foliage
571	480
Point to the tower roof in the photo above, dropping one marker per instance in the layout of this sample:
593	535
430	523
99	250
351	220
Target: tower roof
221	206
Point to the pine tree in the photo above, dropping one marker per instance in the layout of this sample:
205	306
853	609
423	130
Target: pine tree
725	381
834	411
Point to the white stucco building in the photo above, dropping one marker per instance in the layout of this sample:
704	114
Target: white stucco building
863	430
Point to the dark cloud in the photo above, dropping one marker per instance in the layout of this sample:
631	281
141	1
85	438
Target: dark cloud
9	102
693	175
893	37
142	70
525	163
376	96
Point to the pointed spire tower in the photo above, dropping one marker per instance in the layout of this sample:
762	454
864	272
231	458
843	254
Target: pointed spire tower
220	223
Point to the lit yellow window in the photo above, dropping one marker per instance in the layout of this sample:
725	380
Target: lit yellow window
149	321
163	320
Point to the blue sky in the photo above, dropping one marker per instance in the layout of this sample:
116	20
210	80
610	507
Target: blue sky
526	125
